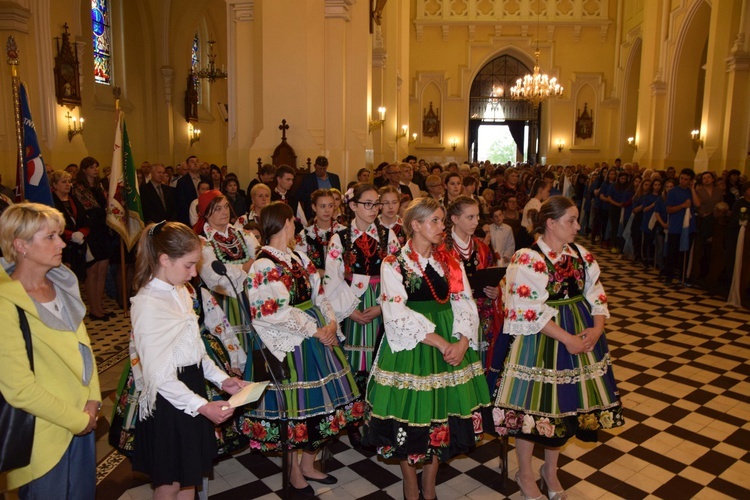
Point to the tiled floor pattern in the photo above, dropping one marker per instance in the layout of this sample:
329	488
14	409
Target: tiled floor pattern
682	360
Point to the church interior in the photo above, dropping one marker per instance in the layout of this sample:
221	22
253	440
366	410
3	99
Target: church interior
658	82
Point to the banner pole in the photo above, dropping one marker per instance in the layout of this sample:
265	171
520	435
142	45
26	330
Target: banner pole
11	50
123	270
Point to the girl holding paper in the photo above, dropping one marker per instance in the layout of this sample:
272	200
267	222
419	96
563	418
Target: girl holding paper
174	444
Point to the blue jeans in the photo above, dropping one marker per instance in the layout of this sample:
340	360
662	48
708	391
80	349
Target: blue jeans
74	476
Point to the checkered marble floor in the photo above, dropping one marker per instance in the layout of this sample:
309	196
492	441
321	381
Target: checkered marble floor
682	361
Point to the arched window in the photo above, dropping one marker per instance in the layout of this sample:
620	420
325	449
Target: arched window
195	64
102	39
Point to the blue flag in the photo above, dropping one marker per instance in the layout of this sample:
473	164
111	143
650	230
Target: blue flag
35	182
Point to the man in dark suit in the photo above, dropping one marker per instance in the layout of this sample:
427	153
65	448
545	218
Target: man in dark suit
187	189
157	199
320	179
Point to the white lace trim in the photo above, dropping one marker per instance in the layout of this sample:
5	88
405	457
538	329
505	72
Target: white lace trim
406	332
280	342
346	312
592	371
463	322
600	311
521	327
423	261
283	256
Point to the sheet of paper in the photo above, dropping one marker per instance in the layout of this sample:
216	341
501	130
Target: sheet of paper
248	394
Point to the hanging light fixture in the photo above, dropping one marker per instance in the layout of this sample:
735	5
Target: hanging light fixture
211	72
537	87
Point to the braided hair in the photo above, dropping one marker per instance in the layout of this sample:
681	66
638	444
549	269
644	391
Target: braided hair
456	207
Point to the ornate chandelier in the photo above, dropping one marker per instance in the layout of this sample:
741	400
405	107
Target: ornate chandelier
211	72
537	87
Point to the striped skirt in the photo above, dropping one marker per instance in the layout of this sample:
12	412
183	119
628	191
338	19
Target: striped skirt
320	396
547	394
419	406
361	340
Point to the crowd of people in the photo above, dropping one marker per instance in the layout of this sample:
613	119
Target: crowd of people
359	305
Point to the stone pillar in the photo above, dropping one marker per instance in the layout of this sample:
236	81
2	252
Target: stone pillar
650	134
737	122
241	87
717	103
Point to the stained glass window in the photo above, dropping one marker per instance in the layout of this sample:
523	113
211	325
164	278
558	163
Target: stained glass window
102	39
195	64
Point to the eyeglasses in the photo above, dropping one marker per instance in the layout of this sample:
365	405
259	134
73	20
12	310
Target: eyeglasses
369	205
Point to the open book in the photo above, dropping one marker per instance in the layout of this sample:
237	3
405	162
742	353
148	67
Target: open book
248	394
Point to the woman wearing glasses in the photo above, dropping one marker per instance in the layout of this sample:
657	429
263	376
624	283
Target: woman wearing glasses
352	278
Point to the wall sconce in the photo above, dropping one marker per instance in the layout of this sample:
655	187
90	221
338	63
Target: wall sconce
695	136
75	127
454	143
632	143
404	132
413	138
560	145
194	134
379	122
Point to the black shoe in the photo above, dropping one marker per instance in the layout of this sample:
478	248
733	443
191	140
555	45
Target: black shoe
329	479
306	492
94	317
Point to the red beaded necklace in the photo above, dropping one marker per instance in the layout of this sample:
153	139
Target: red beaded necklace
415	258
317	236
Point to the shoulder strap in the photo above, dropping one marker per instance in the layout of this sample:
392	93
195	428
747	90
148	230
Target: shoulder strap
24	323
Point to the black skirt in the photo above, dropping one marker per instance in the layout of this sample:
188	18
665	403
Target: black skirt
173	447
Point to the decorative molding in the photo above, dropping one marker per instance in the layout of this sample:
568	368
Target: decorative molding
420	32
658	87
498	30
738	61
551	33
14	17
603	30
378	57
446	31
167	74
339	9
577	33
472	31
241	11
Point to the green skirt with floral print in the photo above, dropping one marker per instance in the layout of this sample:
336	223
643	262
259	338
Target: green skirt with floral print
547	394
418	406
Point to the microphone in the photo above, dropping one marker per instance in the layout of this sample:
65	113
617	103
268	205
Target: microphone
219	268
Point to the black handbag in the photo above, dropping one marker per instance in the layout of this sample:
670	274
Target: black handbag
17	426
265	367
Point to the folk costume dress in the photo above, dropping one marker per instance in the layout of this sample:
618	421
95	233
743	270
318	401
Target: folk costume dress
174	443
234	248
417	405
493	346
313	242
352	281
398	229
547	394
287	306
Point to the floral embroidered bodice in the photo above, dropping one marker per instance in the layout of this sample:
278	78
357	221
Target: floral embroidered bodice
567	276
293	275
417	287
364	252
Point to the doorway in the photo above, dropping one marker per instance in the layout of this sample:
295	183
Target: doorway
501	129
496	142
